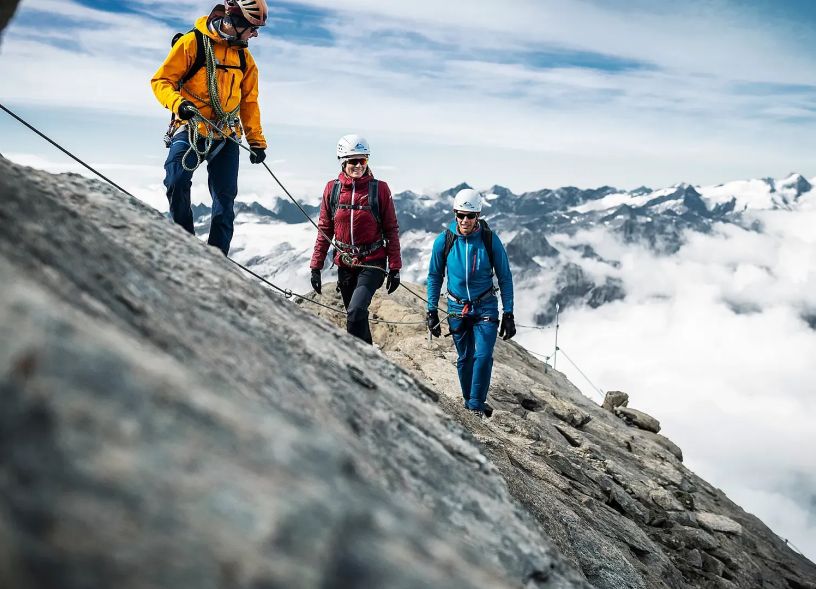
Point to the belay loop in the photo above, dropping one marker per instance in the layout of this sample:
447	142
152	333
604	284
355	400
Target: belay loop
349	259
223	119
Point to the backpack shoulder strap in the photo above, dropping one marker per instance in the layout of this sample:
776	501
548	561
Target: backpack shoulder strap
199	60
450	237
487	239
374	199
242	58
334	199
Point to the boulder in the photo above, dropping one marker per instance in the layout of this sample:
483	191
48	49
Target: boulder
638	419
615	399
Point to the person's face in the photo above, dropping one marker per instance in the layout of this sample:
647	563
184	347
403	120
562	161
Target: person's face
355	167
247	33
241	28
466	221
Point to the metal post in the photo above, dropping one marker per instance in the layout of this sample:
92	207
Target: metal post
555	352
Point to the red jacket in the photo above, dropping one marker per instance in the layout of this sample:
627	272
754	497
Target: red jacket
358	227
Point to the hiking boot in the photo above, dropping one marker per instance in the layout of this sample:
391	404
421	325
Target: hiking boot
488	410
477	413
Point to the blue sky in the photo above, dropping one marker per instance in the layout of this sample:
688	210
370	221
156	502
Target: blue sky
528	94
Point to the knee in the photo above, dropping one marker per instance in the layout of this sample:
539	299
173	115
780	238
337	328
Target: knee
177	179
483	356
356	314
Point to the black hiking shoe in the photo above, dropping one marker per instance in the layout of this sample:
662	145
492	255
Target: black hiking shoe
477	413
488	410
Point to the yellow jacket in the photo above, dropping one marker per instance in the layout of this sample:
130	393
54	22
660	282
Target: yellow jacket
234	86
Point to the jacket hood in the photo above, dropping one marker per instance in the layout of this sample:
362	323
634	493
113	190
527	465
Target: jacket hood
202	23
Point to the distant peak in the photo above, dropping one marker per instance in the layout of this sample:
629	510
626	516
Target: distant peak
501	191
450	192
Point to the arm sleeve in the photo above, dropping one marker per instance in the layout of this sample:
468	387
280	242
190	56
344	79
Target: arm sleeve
250	112
177	63
436	272
390	226
326	224
503	274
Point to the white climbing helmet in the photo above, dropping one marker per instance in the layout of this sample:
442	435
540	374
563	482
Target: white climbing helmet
351	145
469	200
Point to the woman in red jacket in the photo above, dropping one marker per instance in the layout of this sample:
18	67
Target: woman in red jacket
358	212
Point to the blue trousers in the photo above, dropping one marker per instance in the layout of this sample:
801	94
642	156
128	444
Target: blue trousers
474	339
222	172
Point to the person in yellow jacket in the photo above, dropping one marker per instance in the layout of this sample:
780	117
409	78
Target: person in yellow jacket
209	73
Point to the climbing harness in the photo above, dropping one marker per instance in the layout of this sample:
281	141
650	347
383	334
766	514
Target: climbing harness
470	302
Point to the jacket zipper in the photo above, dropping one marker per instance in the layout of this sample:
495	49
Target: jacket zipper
232	85
352	211
467	273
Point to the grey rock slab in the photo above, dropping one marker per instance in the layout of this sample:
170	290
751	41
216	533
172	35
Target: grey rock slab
718	523
638	419
319	461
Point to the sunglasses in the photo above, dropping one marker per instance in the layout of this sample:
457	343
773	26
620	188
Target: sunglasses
358	161
462	216
242	25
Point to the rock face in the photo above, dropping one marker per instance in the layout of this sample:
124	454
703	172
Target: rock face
617	500
169	422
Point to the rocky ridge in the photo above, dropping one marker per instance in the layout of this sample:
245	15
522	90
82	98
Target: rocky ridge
165	408
600	480
167	421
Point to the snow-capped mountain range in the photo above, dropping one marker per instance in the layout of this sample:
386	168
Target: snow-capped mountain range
548	233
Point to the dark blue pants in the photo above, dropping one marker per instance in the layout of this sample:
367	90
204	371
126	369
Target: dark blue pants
222	171
474	339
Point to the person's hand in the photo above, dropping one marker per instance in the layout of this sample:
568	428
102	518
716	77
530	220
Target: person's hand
317	283
508	326
186	110
258	155
432	319
392	282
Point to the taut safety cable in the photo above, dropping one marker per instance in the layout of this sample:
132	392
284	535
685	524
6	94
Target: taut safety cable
285	292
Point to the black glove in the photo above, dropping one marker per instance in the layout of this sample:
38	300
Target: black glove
432	319
508	326
317	283
392	281
258	155
186	110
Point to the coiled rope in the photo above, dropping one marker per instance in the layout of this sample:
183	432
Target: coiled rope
224	120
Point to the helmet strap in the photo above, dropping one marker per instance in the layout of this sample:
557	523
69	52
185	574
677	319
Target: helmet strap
232	40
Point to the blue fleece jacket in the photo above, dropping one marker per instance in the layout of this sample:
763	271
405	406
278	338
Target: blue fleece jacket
469	272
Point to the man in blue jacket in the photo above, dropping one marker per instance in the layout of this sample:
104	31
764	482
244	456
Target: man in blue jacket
470	252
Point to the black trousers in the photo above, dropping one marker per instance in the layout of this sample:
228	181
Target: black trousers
357	287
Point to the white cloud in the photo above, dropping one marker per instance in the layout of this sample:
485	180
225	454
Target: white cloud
735	391
434	113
